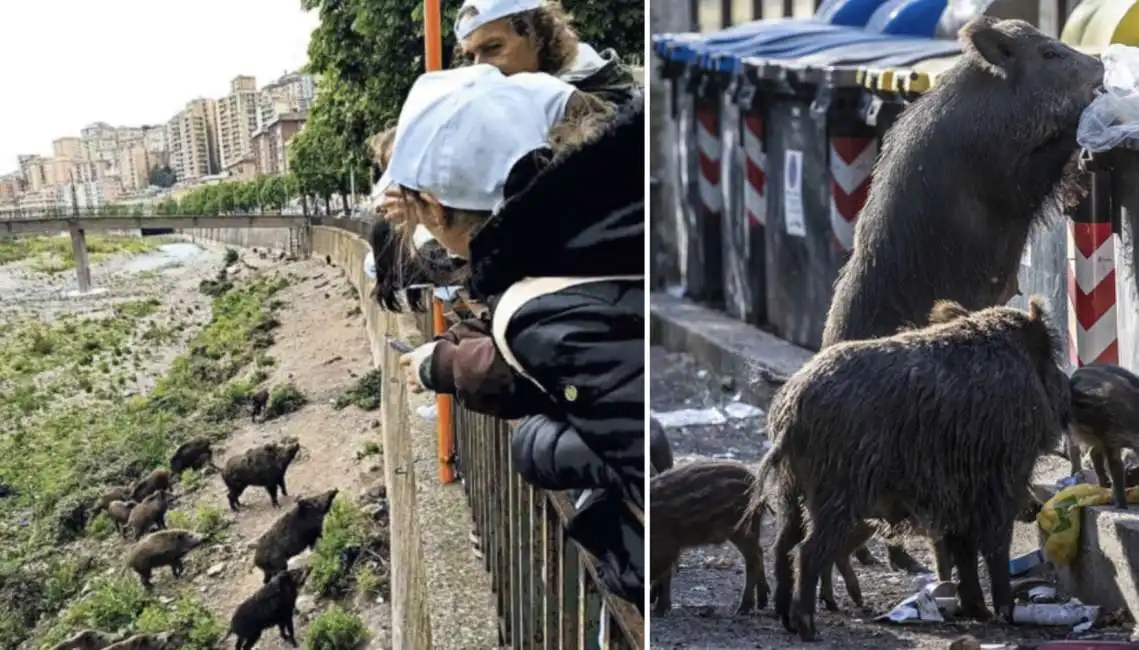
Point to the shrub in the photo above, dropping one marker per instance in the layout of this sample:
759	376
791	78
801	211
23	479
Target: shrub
345	528
336	629
231	257
284	399
365	393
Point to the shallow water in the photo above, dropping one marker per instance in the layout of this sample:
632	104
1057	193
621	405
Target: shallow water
166	256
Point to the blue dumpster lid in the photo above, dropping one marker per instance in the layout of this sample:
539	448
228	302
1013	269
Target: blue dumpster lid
907	17
851	13
895	52
793	46
697	49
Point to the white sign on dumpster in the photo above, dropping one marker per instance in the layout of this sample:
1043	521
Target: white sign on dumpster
793	193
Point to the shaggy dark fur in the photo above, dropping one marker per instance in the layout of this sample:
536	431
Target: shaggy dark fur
120	513
194	454
117	493
660	459
703	503
1105	419
157	480
397	270
150	513
937	429
293	531
257	402
272	604
163	548
263	466
88	640
954	216
164	641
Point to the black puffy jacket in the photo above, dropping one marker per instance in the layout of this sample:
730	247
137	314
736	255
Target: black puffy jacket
565	260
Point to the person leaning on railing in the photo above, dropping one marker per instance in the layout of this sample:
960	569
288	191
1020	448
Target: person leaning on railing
564	269
538	36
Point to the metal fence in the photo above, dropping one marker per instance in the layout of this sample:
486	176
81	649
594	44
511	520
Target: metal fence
547	590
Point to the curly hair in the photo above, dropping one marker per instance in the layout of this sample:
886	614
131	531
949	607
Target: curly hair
549	29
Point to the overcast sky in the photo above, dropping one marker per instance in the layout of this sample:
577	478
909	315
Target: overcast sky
68	63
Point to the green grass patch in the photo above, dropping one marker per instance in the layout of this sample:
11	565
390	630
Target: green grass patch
59	462
284	399
336	629
365	393
55	255
119	603
207	520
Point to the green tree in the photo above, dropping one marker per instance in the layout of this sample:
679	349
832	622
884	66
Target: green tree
224	196
247	196
619	24
162	176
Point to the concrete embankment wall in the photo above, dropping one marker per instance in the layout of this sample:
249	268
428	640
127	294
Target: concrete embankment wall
275	238
457	592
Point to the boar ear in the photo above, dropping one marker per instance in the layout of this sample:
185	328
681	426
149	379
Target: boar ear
987	46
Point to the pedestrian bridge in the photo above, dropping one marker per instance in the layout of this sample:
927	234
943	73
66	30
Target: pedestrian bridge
43	224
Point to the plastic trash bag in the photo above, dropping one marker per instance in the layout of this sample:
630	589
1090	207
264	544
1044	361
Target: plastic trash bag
1113	116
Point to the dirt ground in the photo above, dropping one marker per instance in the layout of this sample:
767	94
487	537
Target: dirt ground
322	347
708	582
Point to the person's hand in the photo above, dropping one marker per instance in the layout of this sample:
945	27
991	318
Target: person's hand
393	205
411	363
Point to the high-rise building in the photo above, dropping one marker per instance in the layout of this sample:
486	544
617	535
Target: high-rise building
134	166
11	187
32	169
292	93
68	147
270	144
100	142
191	135
236	120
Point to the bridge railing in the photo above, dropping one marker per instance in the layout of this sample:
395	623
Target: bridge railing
547	590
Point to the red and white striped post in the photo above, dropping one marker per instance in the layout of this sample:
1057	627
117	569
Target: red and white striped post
755	189
851	168
711	207
1093	335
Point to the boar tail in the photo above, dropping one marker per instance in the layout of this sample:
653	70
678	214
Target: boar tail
1039	337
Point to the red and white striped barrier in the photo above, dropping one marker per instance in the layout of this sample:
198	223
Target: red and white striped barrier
1092	329
755	189
851	167
708	145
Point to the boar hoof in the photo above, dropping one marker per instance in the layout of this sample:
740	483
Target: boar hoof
804	623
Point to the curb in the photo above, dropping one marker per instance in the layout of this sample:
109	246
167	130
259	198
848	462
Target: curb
723	344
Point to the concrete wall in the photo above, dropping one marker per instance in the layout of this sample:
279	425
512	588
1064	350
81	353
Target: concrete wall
275	238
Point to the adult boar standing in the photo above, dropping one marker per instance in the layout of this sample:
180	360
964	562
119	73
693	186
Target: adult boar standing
937	429
964	175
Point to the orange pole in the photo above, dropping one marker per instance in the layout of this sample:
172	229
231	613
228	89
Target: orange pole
432	36
444	425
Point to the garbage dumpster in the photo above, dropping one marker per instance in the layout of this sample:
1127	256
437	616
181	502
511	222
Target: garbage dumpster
819	151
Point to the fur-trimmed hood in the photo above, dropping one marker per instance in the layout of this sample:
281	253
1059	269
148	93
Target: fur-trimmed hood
582	216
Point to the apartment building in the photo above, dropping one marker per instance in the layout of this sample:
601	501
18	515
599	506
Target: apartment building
157	150
270	144
134	166
11	187
68	147
236	120
243	169
192	138
292	93
100	142
32	169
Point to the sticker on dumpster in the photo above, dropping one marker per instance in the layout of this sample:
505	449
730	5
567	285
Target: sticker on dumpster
793	193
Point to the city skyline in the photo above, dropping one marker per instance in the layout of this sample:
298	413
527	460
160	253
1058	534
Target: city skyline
158	84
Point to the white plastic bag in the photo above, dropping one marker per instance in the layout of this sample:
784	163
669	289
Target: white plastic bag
1113	116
